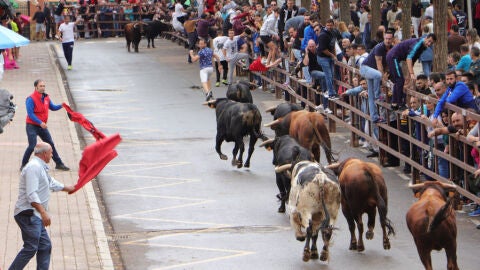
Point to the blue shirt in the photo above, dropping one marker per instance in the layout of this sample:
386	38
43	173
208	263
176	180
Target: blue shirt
31	105
459	96
308	34
464	63
206	55
35	185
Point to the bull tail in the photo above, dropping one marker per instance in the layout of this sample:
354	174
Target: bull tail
254	120
323	136
326	222
441	215
381	204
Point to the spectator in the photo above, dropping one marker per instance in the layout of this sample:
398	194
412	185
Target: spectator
455	40
426	58
66	36
452	60
218	44
409	50
269	35
233	51
416	15
392	15
472	38
461	17
287	11
342	27
39	18
457	94
315	70
475	66
326	55
421	85
465	59
429	11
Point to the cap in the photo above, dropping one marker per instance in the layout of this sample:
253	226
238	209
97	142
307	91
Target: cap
301	11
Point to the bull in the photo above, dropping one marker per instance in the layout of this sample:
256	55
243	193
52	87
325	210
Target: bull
314	202
285	149
133	34
431	221
241	92
308	128
153	29
363	191
236	120
283	109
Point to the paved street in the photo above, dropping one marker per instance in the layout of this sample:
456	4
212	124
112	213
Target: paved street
173	204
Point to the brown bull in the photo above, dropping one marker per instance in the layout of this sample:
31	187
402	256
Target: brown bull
308	128
133	34
363	191
431	221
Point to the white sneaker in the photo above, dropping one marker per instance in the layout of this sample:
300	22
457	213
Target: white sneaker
327	110
302	81
319	108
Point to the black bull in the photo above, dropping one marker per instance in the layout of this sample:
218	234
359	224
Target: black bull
133	34
240	92
234	121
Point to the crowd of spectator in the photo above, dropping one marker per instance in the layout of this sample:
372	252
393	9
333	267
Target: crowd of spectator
294	37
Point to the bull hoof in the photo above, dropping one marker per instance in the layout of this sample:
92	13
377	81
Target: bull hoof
306	255
369	235
324	256
314	254
386	244
353	246
300	238
360	248
223	157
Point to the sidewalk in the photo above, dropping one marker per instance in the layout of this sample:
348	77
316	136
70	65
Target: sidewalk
77	233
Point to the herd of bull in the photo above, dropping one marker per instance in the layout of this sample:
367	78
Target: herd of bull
313	193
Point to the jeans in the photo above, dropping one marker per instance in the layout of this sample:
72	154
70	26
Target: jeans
35	241
68	51
397	77
374	79
327	65
32	132
319	76
231	64
427	67
298	55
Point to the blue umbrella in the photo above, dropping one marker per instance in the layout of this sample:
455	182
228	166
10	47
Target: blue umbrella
10	39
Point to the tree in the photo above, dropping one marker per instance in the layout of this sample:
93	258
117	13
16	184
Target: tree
376	17
345	12
324	7
439	28
406	19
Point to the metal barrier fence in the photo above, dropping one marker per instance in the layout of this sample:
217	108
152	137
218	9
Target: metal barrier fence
395	139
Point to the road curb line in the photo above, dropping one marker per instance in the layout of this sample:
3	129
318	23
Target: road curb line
103	250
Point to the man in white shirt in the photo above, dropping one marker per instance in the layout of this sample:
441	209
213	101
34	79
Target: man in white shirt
67	37
31	209
269	34
234	50
218	44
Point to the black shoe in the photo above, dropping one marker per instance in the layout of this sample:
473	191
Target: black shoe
62	167
373	154
209	96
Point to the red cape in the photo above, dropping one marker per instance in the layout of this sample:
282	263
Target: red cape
95	156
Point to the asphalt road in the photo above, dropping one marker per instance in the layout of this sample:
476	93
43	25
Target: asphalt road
173	204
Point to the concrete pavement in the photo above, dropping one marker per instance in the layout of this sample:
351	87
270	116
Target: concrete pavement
77	232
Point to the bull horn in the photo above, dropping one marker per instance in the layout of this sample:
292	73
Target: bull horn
266	142
282	168
271	109
209	102
416	186
332	166
272	123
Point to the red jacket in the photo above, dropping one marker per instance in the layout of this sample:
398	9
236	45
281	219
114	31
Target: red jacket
40	109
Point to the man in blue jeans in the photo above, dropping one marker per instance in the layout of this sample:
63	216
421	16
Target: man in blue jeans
38	104
31	209
372	69
326	55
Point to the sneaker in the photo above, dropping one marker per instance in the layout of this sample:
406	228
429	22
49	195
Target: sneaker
209	96
225	82
373	154
380	121
327	110
325	94
217	84
319	108
475	213
302	81
62	167
69	67
333	97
